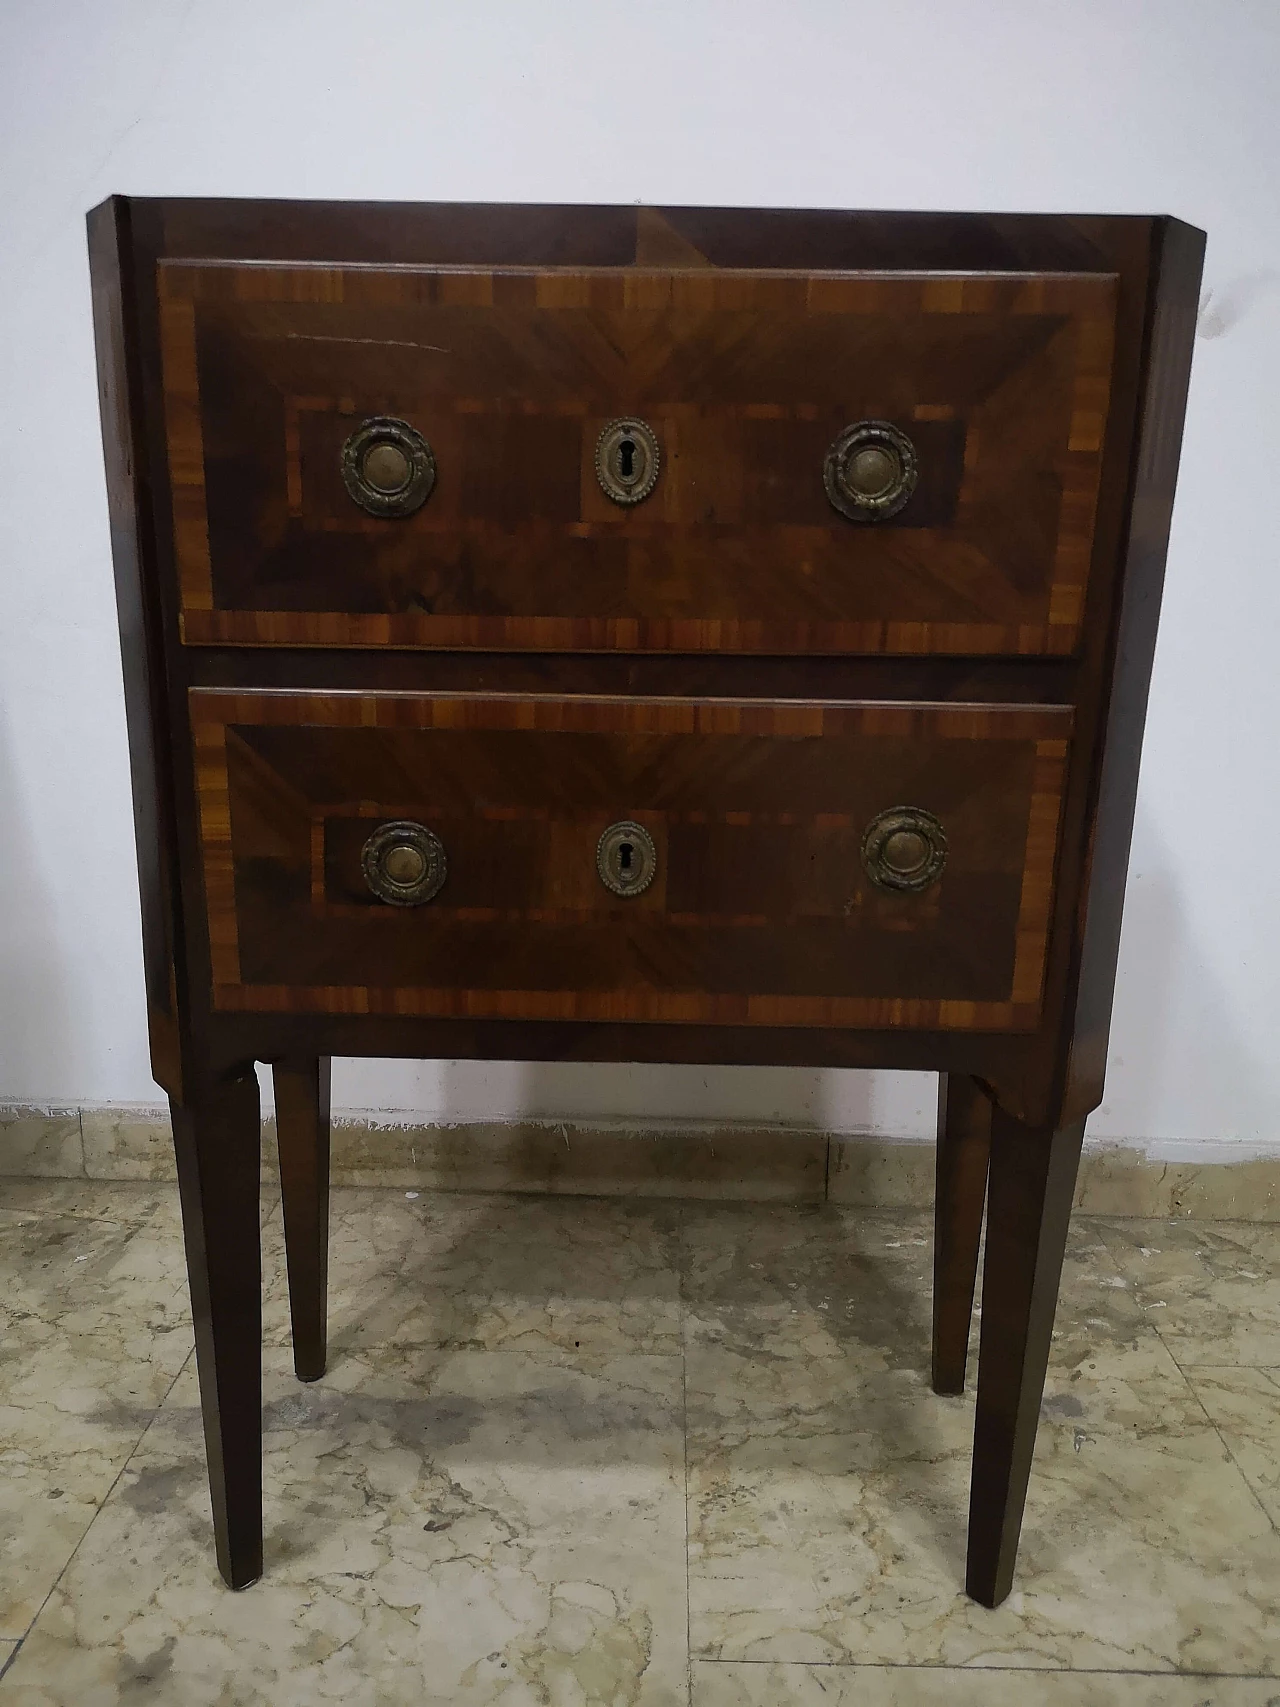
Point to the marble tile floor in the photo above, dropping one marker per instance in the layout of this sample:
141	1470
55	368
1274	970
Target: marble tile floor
579	1451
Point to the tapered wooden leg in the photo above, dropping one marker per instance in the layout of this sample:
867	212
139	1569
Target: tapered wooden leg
302	1126
217	1140
964	1141
1032	1181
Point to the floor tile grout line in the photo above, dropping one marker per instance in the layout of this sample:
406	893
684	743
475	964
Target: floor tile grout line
44	1214
17	1648
130	1229
99	1221
98	1510
1191	1388
1270	1370
682	1247
998	1671
1223	1441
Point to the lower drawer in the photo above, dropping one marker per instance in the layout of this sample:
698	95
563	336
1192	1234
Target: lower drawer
525	856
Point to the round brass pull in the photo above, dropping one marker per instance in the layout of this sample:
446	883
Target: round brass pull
404	863
627	460
904	848
387	467
870	471
626	858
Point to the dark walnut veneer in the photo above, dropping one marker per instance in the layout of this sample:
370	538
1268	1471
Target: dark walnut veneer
761	911
746	379
876	745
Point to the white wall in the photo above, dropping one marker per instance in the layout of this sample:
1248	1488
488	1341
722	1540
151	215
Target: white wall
1088	105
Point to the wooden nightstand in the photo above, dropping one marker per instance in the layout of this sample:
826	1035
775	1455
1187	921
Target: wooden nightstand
616	634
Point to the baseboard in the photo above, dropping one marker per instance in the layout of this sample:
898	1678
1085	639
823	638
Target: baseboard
746	1163
757	1164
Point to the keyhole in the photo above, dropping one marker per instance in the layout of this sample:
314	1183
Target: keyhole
627	457
625	858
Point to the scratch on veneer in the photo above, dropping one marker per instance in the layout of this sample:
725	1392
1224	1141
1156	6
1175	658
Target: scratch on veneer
387	343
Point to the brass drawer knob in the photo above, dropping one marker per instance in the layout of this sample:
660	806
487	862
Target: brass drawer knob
870	471
387	467
626	858
904	848
627	460
404	863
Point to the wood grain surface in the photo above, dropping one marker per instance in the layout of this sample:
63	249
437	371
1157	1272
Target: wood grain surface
1001	382
761	912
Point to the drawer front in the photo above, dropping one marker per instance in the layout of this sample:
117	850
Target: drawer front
994	390
776	892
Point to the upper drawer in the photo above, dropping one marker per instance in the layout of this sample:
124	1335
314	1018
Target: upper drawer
515	856
994	389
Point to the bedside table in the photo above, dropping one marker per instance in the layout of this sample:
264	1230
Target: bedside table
619	634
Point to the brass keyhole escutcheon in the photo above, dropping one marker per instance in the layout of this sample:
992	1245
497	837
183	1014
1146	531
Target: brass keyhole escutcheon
870	471
626	858
404	863
627	459
388	467
904	848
